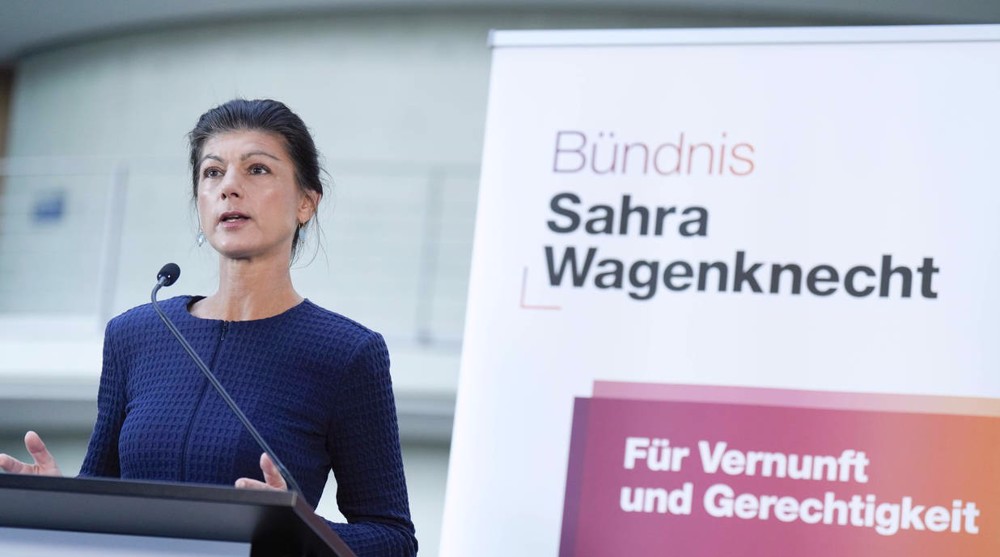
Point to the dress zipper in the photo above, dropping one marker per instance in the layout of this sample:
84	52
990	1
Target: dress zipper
224	328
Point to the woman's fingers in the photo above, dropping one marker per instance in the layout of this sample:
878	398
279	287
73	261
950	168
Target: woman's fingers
12	465
250	483
44	464
272	477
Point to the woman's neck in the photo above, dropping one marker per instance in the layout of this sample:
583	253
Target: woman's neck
249	290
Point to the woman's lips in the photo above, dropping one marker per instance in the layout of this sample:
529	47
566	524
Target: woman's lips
230	215
232	219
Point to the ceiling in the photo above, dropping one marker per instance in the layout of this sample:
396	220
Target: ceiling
32	25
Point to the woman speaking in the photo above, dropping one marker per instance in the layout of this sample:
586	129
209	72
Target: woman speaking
315	383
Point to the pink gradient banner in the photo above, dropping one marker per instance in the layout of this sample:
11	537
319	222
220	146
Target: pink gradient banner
671	477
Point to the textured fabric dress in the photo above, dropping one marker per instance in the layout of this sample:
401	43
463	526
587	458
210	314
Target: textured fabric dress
315	384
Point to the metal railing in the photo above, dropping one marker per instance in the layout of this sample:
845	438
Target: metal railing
85	236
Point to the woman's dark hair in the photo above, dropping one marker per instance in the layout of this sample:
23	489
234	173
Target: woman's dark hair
264	115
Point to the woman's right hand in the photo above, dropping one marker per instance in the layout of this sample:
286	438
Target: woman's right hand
44	464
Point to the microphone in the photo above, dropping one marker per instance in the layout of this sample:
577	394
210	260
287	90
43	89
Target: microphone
168	275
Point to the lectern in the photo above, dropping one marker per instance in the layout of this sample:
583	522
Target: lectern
38	510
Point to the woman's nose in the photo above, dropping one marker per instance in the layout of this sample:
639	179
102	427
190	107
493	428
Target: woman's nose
231	185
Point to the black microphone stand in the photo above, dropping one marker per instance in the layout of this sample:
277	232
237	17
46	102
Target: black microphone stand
167	276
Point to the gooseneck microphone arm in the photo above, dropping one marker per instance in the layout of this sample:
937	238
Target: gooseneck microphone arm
167	276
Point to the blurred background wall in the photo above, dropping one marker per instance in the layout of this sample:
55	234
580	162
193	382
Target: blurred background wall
95	101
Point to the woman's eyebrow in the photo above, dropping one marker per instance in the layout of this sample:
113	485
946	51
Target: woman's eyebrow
213	157
246	156
243	157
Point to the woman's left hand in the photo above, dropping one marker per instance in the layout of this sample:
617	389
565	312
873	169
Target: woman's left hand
272	477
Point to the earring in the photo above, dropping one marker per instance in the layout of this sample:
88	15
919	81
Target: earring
200	238
302	231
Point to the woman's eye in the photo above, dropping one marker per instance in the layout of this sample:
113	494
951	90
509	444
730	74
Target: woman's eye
211	173
258	169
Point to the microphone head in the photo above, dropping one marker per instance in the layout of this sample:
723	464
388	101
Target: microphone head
168	274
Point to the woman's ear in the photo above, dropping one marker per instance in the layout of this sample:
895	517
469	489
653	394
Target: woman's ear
308	205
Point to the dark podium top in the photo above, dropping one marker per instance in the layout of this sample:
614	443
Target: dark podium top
274	523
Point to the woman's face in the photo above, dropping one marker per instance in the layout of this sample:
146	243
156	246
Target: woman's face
249	203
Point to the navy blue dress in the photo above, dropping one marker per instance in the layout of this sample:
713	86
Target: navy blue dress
315	384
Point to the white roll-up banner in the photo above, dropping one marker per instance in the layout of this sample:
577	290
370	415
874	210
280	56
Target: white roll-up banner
734	292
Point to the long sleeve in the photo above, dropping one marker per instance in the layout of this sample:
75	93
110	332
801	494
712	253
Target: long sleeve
102	452
367	462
